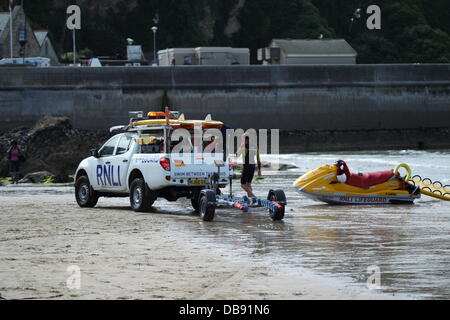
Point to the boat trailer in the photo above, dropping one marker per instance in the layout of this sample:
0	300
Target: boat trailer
212	198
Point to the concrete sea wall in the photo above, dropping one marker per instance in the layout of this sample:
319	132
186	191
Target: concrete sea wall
292	98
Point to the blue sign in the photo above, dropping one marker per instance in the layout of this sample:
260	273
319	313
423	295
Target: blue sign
22	35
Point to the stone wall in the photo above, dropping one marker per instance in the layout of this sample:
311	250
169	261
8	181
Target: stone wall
300	98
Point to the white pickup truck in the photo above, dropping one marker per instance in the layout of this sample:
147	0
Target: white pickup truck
138	163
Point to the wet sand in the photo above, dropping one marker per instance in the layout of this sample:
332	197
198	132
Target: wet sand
317	252
125	255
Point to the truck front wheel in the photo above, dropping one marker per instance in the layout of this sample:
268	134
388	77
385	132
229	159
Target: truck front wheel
141	197
84	194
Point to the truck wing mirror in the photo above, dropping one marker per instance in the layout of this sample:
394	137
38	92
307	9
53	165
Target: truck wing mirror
94	153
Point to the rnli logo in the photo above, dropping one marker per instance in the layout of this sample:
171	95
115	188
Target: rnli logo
108	176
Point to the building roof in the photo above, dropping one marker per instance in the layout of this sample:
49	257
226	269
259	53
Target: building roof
222	49
333	47
4	20
178	50
40	36
204	49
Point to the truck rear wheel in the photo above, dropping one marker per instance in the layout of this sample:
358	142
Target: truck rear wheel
141	197
84	194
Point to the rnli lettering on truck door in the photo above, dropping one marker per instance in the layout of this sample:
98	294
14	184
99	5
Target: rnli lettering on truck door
108	175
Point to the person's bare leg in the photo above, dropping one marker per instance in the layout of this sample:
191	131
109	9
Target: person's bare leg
244	187
250	191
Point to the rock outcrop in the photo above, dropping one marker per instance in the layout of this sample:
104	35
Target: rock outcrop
51	145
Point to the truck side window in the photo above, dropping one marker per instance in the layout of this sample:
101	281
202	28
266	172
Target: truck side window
109	147
150	144
124	145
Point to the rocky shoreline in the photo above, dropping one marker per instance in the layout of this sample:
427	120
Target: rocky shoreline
53	150
55	147
51	145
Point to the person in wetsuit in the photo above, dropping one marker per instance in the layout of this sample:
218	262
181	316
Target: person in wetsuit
249	152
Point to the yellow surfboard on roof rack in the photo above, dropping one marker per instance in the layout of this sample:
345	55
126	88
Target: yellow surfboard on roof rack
169	118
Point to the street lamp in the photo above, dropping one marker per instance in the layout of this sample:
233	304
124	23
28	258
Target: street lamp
154	29
356	15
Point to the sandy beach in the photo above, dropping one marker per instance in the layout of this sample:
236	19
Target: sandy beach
124	255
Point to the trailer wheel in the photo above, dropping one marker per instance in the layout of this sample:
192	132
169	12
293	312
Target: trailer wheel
141	197
207	205
84	194
278	196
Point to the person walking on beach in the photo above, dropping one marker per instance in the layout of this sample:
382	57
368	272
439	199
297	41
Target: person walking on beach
249	151
14	156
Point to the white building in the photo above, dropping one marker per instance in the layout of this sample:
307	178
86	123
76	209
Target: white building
210	56
181	56
324	51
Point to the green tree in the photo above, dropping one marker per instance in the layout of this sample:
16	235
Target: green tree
412	30
374	48
437	13
263	20
221	11
306	21
423	44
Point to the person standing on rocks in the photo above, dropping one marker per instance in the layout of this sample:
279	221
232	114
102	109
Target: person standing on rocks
14	155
